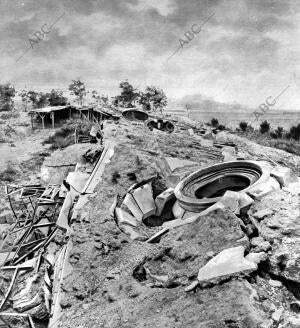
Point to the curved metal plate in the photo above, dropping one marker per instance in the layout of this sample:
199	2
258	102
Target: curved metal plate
135	115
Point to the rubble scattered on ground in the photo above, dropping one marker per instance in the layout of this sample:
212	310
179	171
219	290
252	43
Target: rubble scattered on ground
120	249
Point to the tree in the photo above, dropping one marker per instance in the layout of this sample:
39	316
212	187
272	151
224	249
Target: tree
7	93
264	127
243	126
56	98
128	95
214	122
77	89
38	99
100	99
153	99
25	98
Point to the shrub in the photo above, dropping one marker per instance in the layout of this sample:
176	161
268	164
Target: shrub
8	115
243	126
8	174
264	127
294	132
64	136
278	132
222	127
214	122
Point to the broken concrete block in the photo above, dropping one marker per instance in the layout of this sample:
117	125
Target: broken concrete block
162	199
177	163
258	191
125	218
178	211
283	175
130	202
144	199
229	262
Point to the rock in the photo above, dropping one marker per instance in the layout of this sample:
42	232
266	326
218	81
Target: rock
275	283
276	315
192	286
285	258
229	262
258	191
132	233
209	255
209	136
283	175
295	306
256	257
293	322
260	215
6	216
260	245
178	211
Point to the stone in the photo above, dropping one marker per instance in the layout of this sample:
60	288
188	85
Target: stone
260	215
191	132
256	257
275	283
227	263
209	136
283	175
277	314
192	286
178	211
162	199
258	191
294	322
125	218
260	245
293	188
6	216
285	258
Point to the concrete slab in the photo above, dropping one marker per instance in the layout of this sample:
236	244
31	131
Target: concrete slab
177	163
229	262
162	199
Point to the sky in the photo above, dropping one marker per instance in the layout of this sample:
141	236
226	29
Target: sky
243	52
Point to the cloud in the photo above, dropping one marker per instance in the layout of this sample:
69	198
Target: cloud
245	52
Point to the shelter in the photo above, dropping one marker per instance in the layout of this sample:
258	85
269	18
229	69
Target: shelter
51	112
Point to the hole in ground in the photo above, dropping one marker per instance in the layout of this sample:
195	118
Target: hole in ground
218	187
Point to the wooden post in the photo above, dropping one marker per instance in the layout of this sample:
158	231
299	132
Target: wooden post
52	118
70	113
31	119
